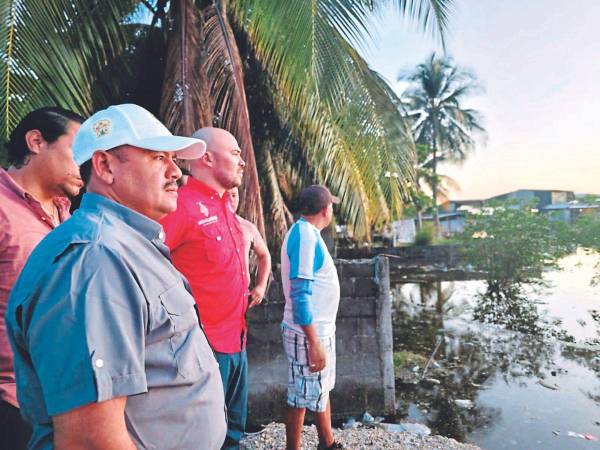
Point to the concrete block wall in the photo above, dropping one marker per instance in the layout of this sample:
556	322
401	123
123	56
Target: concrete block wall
449	255
365	373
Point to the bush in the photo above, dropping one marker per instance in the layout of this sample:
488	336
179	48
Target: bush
425	234
513	243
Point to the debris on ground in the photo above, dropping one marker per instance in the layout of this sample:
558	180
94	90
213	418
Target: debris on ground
431	381
466	404
548	385
587	437
272	437
407	427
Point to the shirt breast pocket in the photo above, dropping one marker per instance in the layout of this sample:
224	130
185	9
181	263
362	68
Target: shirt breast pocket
214	240
185	340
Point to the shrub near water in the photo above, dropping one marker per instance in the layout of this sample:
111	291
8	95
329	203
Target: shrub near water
513	244
425	234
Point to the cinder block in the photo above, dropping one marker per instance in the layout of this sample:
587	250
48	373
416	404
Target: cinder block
363	308
365	287
368	345
268	405
363	268
346	287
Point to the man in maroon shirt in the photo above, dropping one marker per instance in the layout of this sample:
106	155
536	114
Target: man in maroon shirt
207	245
33	200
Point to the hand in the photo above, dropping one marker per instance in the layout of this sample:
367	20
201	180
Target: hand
317	360
257	294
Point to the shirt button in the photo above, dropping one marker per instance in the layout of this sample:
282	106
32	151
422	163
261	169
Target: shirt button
218	238
238	250
99	363
161	236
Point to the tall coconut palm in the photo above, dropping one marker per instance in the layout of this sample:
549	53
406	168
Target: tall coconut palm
337	121
434	102
425	179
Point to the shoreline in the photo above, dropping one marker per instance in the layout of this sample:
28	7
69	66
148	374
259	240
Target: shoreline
272	437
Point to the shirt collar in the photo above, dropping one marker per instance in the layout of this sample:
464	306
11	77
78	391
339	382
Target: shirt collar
142	224
199	186
7	181
63	203
302	219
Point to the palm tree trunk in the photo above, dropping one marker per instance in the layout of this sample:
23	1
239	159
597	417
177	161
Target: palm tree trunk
204	86
434	189
434	184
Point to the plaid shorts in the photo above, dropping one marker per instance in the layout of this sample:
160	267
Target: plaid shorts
307	389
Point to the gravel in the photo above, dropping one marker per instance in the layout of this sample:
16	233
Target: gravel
272	437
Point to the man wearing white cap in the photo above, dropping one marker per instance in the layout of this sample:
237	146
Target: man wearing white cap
108	349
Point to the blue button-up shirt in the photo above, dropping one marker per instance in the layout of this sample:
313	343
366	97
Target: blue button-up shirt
100	312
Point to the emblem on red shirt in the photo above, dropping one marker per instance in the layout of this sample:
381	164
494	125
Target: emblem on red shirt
208	220
203	209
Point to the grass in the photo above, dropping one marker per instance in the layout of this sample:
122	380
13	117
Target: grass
404	360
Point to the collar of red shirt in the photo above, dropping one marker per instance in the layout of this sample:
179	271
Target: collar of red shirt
204	189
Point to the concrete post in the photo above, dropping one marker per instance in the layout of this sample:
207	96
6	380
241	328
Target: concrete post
385	332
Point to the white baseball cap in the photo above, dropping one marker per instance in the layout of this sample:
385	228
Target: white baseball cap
130	124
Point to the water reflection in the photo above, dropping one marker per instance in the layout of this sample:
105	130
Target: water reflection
491	385
468	357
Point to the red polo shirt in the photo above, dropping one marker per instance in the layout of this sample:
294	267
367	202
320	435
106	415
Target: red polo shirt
23	224
207	247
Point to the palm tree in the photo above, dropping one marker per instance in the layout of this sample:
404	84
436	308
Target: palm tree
433	102
425	179
324	116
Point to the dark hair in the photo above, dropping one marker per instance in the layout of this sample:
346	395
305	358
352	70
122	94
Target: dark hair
85	171
50	121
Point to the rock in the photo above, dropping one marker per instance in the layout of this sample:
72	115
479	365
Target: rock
272	437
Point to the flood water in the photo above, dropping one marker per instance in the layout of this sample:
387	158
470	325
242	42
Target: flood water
496	388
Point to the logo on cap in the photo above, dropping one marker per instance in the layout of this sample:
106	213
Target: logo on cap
102	127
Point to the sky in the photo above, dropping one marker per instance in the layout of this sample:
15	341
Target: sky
539	64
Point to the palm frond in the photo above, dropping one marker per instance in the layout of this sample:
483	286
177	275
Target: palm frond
346	117
432	15
443	130
51	53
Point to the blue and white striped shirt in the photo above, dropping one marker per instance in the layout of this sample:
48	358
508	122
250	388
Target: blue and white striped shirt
309	278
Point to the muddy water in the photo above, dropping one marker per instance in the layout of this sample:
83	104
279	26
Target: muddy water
502	389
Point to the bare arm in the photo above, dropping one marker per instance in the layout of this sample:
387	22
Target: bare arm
94	426
264	268
317	359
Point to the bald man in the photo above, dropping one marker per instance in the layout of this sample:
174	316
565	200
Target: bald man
207	245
